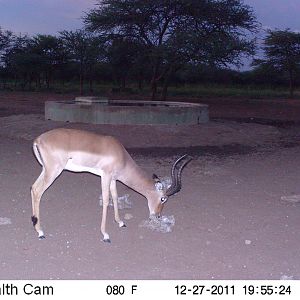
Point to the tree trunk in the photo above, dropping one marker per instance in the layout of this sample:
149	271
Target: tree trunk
38	81
16	81
166	84
30	82
81	85
91	77
164	91
172	69
153	89
48	79
91	86
154	80
81	80
140	83
123	82
291	81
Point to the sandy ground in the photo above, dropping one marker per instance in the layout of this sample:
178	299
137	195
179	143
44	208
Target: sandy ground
234	218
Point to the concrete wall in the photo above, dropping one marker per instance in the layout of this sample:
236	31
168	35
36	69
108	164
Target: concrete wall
136	112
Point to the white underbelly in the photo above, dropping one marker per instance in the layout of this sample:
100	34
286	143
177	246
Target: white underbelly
71	166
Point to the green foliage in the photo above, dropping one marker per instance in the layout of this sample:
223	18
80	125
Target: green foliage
5	39
175	32
282	49
231	91
282	52
146	46
84	49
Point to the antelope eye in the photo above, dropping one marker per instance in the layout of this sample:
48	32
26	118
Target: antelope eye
163	199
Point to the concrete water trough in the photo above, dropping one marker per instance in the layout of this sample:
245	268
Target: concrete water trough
103	111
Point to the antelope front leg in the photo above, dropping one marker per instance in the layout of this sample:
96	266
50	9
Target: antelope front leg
114	195
105	183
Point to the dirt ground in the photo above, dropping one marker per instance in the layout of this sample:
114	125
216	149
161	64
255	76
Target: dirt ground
236	217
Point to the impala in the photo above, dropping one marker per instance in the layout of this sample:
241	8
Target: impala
81	151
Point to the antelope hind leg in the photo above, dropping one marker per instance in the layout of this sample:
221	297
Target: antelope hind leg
45	179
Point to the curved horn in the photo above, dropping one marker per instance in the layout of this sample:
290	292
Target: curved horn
179	173
173	176
175	165
176	179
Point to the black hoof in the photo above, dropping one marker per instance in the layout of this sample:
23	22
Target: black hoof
106	241
34	220
42	237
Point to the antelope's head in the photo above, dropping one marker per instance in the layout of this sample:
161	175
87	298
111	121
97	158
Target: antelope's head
162	193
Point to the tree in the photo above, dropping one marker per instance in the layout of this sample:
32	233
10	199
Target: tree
49	53
282	53
6	39
20	61
124	57
176	32
83	48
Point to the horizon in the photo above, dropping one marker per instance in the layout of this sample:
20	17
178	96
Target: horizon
49	17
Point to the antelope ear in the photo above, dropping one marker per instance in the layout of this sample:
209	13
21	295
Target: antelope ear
159	186
155	178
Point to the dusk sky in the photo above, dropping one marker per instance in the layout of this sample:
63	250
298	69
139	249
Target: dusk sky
43	16
51	16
